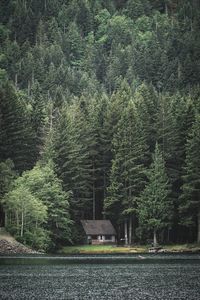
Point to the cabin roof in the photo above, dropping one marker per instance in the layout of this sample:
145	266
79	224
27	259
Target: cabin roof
96	227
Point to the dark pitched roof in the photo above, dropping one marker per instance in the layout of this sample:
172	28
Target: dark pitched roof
95	227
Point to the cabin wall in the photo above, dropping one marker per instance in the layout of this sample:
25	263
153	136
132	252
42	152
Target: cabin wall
101	239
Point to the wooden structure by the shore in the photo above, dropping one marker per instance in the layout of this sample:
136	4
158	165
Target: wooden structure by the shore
99	232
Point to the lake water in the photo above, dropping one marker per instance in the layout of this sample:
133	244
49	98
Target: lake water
163	277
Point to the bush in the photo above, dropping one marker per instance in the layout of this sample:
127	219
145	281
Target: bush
37	239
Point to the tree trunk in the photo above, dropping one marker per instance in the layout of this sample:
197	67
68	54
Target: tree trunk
16	80
6	219
29	88
17	221
104	183
125	232
93	195
154	238
130	230
166	9
198	226
22	225
32	78
93	204
168	235
179	70
51	119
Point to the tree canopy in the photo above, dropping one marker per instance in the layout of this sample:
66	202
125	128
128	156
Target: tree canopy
99	118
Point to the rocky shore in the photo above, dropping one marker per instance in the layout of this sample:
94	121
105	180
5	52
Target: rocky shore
8	245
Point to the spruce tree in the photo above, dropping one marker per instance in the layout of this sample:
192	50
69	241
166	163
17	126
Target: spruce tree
154	204
190	198
38	116
127	172
146	102
16	133
72	160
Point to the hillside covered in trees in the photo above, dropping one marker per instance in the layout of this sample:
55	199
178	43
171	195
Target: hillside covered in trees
100	118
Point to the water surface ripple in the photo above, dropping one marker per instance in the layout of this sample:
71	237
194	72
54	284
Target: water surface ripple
101	277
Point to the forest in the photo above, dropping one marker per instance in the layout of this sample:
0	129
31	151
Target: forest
100	119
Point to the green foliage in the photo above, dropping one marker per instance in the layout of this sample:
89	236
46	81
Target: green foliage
16	133
189	206
137	8
7	175
91	86
25	214
37	197
127	171
146	102
43	183
154	204
77	155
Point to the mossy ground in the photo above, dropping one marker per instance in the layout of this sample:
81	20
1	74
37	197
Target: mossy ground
95	249
108	249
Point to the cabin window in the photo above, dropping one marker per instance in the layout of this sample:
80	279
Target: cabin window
108	237
94	237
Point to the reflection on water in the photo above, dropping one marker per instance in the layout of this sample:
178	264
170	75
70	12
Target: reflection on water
162	277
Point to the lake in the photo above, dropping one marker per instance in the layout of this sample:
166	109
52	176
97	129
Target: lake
163	277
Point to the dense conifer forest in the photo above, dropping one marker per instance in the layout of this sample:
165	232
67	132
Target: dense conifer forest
100	118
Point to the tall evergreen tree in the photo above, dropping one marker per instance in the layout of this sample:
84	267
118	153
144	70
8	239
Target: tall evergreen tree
7	175
146	102
154	204
38	116
190	198
72	161
16	133
127	171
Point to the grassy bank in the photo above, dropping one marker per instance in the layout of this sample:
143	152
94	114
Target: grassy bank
183	248
102	249
107	249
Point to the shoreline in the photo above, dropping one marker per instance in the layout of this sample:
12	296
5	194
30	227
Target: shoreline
146	249
9	246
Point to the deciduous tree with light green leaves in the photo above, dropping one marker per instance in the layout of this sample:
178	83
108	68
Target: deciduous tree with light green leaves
37	191
25	216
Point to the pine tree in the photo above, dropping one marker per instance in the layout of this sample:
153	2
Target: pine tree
127	172
154	204
146	102
137	8
16	133
190	198
113	108
38	116
7	175
96	154
72	160
74	45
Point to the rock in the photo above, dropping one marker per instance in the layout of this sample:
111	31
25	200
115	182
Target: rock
162	251
155	249
8	247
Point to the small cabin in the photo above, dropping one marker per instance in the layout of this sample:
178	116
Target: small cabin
99	232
